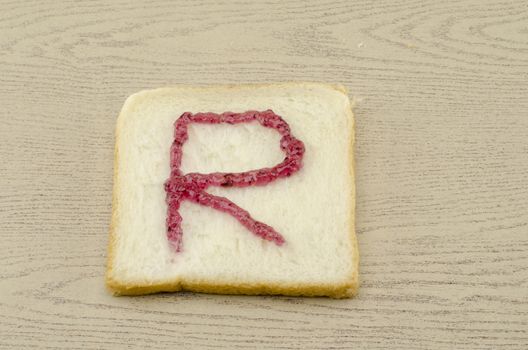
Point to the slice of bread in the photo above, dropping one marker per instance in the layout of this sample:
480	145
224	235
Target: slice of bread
313	209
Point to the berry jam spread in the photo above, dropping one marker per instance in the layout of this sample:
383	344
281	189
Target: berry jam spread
192	186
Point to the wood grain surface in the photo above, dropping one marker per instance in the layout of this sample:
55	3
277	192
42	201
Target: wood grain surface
442	167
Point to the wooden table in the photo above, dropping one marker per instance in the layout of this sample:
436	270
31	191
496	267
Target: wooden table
442	168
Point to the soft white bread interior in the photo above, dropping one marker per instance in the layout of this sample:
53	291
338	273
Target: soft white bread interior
313	209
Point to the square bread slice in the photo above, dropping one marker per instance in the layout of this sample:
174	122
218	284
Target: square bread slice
313	209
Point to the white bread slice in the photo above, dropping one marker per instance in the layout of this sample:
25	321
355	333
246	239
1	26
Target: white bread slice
313	209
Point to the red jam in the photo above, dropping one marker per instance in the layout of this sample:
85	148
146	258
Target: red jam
192	186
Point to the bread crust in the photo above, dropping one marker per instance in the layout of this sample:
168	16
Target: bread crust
344	290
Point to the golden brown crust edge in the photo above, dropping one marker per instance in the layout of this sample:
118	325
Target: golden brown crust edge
352	162
334	291
344	290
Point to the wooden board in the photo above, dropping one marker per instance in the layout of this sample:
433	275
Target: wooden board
442	167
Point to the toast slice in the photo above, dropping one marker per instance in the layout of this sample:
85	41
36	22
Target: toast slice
312	209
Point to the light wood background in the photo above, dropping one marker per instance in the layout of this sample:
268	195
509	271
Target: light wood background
442	167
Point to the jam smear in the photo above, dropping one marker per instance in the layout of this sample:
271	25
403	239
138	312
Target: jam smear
192	186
